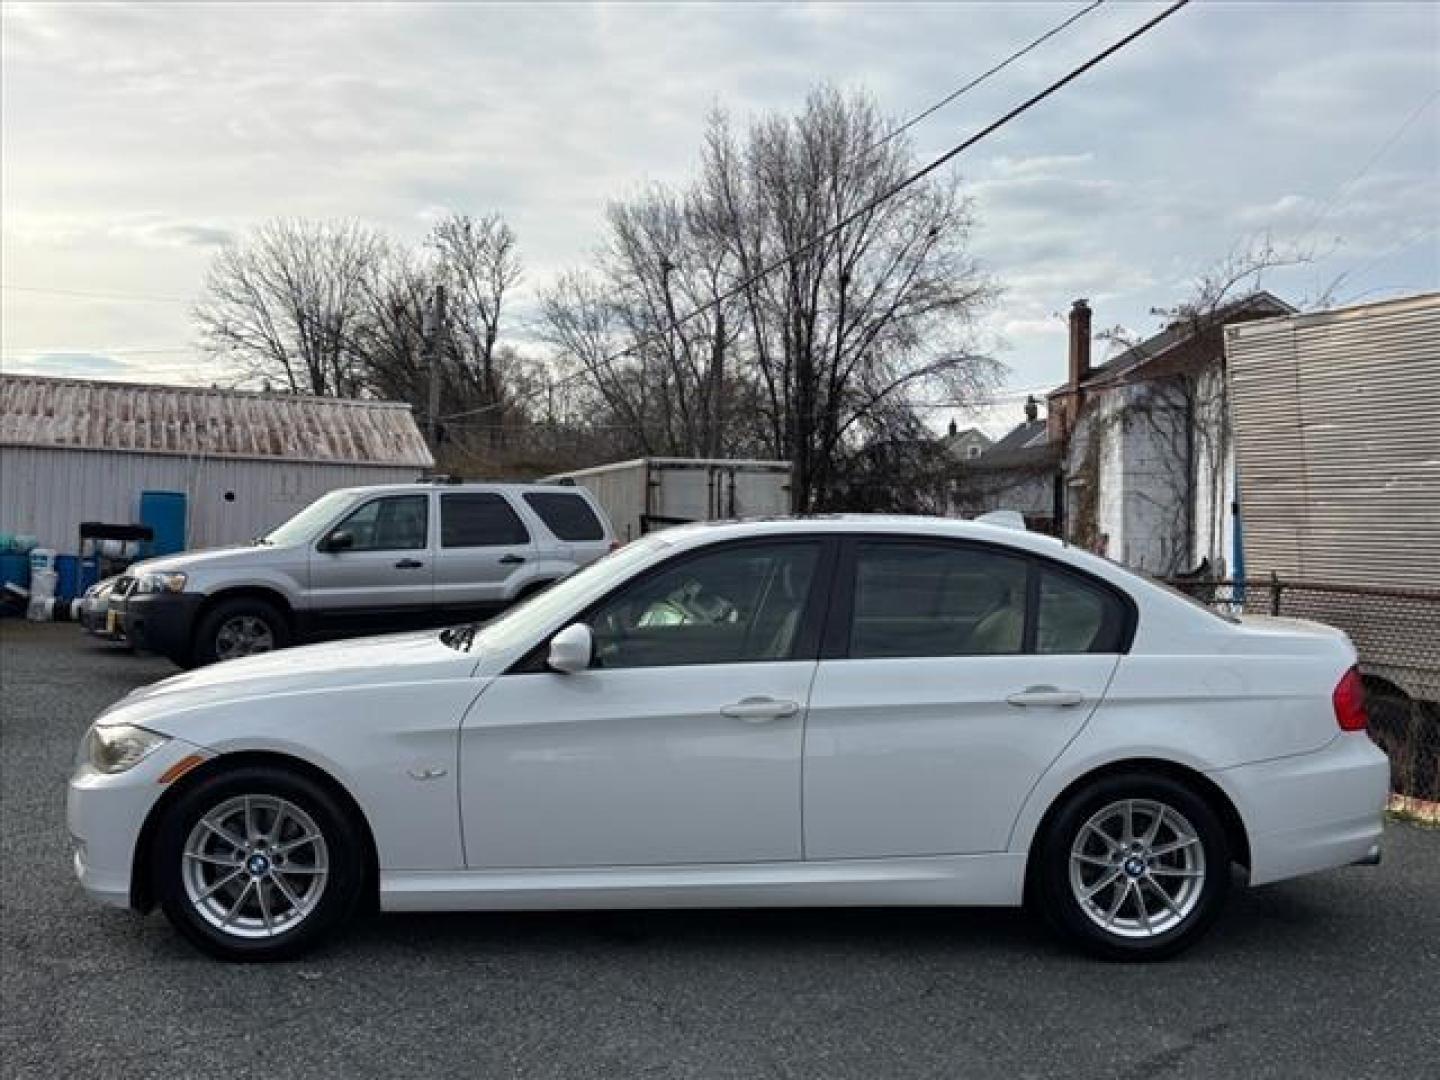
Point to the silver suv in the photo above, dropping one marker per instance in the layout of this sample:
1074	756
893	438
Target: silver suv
363	560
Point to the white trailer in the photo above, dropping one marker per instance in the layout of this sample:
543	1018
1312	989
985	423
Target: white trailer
646	494
1337	449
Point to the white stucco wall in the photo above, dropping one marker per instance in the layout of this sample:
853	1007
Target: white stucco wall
1214	476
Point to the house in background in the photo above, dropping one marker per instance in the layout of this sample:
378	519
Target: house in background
1145	443
1020	472
966	444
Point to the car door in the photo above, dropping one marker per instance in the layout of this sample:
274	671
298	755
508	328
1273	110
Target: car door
484	549
953	674
681	743
385	574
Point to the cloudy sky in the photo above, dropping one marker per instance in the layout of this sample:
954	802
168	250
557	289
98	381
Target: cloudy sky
138	138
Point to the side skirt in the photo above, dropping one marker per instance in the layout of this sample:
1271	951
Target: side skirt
994	880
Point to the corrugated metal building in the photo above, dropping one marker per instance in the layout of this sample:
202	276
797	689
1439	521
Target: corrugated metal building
74	450
1337	439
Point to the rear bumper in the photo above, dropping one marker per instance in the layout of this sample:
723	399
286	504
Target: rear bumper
1313	811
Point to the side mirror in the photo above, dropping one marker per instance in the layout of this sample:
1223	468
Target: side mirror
571	648
340	540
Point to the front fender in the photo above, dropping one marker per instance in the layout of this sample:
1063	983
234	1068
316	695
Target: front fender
393	747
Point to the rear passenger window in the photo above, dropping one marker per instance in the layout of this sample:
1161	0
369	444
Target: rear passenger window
569	517
1076	616
480	519
936	600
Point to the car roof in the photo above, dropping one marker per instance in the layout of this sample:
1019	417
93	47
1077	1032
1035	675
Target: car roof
447	487
901	524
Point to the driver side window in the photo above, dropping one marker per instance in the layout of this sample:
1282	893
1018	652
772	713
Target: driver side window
397	523
738	605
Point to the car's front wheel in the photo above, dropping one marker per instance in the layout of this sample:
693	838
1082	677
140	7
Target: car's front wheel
1133	867
236	628
258	863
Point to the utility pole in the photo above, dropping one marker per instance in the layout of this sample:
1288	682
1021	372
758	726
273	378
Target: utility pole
434	348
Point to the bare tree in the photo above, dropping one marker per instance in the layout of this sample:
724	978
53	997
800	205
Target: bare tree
390	337
478	261
283	304
814	361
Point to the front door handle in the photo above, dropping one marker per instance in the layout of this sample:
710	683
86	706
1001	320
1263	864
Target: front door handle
1046	695
409	564
757	710
511	560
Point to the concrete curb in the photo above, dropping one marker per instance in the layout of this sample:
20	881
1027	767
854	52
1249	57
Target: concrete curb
1421	810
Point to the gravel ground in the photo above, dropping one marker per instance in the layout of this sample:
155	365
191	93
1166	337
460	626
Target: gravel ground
1336	975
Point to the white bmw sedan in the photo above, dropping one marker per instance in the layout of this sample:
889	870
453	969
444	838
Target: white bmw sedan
828	711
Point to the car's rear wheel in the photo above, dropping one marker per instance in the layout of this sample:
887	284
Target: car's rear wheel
257	863
237	628
1134	867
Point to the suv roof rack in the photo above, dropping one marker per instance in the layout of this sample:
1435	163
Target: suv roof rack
439	478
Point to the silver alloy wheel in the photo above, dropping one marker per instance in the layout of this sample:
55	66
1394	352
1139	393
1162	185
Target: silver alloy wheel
1137	868
255	866
244	635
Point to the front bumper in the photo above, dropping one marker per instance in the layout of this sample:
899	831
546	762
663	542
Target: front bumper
93	616
1312	811
105	814
160	622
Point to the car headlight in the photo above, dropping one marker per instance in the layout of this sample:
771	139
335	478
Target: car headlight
119	747
160	581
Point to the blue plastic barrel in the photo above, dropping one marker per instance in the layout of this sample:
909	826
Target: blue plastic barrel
15	569
164	512
67	577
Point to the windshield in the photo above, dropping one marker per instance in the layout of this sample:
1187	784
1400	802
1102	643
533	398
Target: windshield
302	526
524	622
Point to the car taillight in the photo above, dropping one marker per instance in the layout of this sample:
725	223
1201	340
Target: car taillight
1349	698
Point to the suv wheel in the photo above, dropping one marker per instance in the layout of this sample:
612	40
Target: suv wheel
1134	867
240	627
257	863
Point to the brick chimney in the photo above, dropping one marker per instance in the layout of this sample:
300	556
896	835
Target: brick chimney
1079	343
1065	403
1032	409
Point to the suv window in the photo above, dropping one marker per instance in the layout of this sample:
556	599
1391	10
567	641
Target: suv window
1076	616
396	523
568	516
480	519
736	605
936	600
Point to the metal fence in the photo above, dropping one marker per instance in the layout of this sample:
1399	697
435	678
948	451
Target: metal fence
1397	633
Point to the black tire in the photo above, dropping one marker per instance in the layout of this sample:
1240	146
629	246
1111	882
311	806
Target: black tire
207	645
338	894
1196	901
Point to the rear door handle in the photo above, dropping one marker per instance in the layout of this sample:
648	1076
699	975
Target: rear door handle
409	564
511	560
757	710
1046	695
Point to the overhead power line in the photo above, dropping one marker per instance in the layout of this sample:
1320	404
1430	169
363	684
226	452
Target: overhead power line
1059	28
809	245
1338	196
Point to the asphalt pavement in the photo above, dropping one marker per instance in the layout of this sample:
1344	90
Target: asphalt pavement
1336	975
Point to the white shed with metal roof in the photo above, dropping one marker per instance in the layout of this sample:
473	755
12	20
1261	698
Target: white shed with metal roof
74	450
